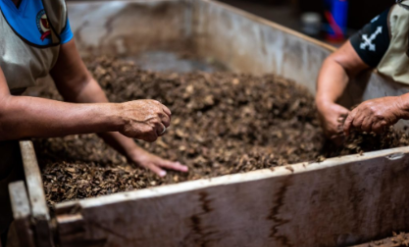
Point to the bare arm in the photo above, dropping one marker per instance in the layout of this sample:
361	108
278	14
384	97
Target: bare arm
372	115
333	79
75	84
335	73
23	117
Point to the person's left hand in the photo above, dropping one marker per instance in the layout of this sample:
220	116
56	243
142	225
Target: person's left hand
155	163
375	115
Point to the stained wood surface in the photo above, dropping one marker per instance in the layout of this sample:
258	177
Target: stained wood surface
338	202
22	233
33	180
250	44
39	209
19	200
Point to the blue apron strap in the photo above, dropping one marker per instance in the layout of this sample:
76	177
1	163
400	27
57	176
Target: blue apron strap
56	11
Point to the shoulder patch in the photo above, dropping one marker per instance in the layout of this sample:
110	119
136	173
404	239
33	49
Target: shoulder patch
372	41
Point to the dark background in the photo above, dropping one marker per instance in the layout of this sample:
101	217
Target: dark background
288	12
360	11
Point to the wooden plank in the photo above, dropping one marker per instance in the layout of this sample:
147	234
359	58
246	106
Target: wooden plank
247	43
39	209
19	200
335	203
338	202
139	25
33	180
22	215
71	232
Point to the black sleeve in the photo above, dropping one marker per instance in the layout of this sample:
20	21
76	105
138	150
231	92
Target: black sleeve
372	41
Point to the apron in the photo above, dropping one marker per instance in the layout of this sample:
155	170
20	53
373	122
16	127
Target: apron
22	64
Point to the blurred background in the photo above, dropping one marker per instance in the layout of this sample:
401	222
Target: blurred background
329	20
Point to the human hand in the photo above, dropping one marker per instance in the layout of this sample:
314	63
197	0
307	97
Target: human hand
155	163
332	117
375	115
143	119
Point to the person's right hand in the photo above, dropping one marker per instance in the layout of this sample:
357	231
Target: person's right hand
144	119
332	118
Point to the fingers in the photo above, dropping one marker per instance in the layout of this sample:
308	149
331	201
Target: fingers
173	165
167	111
164	108
379	126
165	119
160	129
348	123
149	132
155	169
366	125
164	114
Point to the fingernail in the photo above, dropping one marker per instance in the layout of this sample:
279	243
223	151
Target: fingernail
162	173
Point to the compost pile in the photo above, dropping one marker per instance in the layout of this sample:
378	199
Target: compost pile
222	123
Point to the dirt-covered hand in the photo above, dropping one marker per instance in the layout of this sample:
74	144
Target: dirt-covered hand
332	117
155	163
144	119
375	115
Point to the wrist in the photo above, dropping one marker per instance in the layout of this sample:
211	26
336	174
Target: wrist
114	117
403	106
322	102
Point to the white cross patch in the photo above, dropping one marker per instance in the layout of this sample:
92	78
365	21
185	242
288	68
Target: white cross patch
368	41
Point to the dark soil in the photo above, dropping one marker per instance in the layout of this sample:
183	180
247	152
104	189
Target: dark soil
398	240
223	123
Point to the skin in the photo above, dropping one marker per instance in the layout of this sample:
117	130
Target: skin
370	116
86	111
75	84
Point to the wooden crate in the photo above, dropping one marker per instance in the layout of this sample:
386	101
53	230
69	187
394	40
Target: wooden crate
338	202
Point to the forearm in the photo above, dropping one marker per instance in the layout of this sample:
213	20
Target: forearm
25	117
332	81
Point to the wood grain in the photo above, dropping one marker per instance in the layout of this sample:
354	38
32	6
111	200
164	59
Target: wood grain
39	209
23	233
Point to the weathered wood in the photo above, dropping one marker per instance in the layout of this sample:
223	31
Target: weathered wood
338	202
19	200
34	181
36	194
22	215
250	44
139	25
71	232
